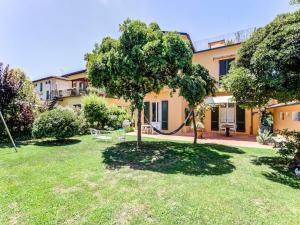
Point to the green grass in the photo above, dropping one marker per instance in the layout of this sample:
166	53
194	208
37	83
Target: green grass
85	181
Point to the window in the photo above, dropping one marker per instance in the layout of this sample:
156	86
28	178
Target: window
224	67
296	116
77	106
47	95
41	87
281	115
154	112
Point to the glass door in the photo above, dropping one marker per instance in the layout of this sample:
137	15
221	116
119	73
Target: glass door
156	115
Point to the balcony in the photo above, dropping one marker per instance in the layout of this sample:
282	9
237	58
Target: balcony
68	93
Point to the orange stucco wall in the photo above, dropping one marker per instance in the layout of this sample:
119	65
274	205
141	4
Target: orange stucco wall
210	59
288	122
176	107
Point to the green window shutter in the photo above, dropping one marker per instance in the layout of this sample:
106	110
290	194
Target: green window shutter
215	118
146	112
164	115
240	119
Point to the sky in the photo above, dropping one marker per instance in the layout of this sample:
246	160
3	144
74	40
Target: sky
51	37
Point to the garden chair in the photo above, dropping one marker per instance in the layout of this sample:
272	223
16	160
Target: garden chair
97	134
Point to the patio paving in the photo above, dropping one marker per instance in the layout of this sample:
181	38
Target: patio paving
237	140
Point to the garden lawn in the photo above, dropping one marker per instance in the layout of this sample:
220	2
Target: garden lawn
85	181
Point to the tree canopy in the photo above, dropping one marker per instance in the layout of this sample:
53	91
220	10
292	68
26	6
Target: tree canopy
194	85
17	99
143	59
268	64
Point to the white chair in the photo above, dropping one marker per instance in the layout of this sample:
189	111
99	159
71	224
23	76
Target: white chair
97	134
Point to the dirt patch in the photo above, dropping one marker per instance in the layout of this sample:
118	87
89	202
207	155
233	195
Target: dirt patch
65	190
73	220
13	205
13	220
129	212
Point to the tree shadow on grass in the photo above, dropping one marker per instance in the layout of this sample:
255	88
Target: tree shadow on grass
50	143
171	158
281	172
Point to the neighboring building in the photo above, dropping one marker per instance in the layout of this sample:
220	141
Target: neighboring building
67	90
286	116
167	112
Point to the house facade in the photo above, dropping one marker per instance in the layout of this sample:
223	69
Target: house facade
168	111
67	90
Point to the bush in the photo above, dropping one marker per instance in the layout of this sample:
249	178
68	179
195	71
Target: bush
17	100
95	111
116	116
290	147
58	123
264	137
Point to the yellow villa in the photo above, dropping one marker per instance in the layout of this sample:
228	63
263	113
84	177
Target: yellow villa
167	112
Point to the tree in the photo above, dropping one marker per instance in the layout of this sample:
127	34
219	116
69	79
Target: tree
143	60
194	85
294	2
268	64
17	100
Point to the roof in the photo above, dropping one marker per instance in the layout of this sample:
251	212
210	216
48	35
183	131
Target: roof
73	73
190	40
283	104
211	49
51	77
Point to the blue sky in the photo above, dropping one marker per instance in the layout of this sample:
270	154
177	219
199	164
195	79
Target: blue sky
50	37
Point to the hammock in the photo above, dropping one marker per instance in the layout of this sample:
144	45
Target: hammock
174	131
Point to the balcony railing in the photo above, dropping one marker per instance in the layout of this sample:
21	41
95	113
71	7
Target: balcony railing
68	93
227	39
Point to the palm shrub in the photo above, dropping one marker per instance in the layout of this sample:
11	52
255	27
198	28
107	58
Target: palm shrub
95	111
57	123
264	137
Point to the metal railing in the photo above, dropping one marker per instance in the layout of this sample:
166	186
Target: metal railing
229	39
68	93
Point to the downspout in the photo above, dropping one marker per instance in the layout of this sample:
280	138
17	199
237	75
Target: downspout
251	123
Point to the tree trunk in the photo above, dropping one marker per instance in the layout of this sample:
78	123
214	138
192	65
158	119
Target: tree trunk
195	128
139	133
297	159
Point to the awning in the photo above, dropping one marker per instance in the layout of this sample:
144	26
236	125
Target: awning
219	100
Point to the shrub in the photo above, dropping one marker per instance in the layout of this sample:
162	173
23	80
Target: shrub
95	111
116	116
58	123
264	137
290	147
17	100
